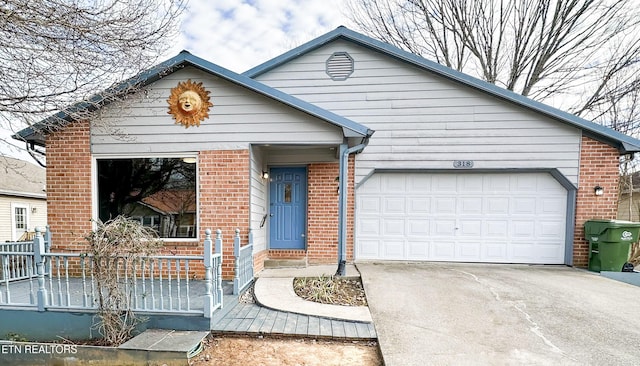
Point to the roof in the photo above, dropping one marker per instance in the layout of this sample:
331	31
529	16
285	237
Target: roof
36	132
624	143
21	179
172	201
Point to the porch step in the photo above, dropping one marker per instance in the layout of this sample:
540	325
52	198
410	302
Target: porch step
286	263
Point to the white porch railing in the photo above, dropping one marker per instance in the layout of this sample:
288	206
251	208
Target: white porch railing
162	284
243	264
16	260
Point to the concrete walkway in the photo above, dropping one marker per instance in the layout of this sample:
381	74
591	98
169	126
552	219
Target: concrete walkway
274	289
280	311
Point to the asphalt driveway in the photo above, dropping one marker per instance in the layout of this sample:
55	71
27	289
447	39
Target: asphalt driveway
475	314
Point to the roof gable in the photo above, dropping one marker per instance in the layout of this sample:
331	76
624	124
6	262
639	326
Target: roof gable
624	143
183	59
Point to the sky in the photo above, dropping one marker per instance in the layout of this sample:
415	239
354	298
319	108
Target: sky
240	34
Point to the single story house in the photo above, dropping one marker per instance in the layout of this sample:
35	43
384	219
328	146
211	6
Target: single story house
23	200
342	149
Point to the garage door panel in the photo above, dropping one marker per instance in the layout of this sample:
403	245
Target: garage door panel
444	205
393	228
393	184
496	206
473	183
369	227
488	217
494	251
521	251
369	249
419	205
470	205
496	229
468	251
443	250
472	228
497	183
523	184
443	228
523	206
523	229
549	229
549	252
370	205
417	227
419	184
551	206
393	205
444	183
418	249
393	249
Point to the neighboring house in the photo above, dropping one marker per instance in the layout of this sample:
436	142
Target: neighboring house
457	169
629	204
23	202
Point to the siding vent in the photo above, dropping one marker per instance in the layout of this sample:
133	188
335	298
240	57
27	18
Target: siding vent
340	66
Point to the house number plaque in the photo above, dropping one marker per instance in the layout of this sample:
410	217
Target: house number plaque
463	164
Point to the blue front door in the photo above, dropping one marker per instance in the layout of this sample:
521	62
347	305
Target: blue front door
288	205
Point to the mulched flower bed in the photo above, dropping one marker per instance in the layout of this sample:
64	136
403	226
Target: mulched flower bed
331	290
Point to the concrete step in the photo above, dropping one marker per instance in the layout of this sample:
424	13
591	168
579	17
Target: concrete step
286	263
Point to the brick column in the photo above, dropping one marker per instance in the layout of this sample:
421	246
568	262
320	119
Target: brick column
224	198
69	186
323	205
598	167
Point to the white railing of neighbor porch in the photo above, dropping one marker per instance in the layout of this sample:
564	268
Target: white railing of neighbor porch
16	259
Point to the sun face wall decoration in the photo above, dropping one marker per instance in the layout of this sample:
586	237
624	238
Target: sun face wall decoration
189	103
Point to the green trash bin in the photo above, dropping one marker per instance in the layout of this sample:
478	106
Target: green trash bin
609	243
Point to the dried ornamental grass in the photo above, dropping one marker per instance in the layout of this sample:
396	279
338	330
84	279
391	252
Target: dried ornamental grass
331	290
116	247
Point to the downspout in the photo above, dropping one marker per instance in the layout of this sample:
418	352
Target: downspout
342	199
32	151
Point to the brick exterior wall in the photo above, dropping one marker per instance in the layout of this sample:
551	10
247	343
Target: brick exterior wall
69	186
224	198
224	192
322	232
598	167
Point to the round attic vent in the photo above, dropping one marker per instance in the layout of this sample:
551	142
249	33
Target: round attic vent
339	66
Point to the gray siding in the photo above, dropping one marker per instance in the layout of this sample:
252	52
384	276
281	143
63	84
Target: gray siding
259	205
238	117
423	121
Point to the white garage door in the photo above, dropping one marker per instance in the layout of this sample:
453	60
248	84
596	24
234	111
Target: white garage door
467	217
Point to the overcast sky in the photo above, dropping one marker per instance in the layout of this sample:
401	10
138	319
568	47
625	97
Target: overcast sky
240	34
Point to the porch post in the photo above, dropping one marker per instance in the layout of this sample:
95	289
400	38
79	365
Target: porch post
47	249
236	262
38	250
208	263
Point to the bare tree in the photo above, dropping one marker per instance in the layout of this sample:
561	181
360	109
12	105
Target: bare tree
577	54
57	52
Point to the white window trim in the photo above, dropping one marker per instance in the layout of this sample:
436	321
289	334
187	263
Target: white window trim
94	185
14	234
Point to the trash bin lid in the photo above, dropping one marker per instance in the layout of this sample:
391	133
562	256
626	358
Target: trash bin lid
614	223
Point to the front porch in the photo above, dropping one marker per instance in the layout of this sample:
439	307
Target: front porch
301	203
171	291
